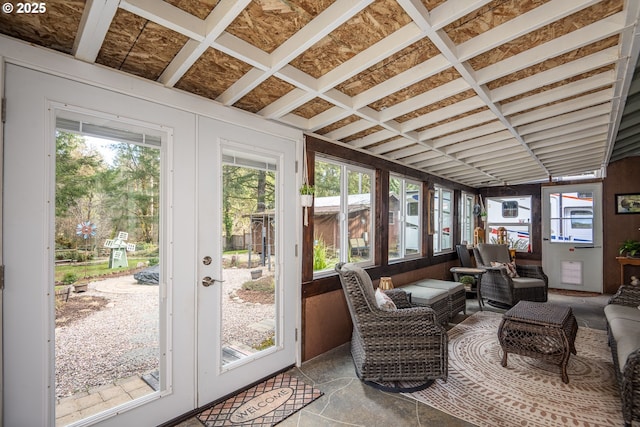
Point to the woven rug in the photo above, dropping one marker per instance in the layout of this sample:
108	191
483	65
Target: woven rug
527	392
265	404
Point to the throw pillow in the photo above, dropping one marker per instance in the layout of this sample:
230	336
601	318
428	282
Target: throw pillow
510	266
384	302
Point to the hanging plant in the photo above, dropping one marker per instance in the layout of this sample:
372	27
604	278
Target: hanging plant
307	190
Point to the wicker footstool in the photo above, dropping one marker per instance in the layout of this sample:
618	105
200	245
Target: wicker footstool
539	330
456	291
437	299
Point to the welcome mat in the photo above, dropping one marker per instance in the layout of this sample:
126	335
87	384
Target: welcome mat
528	392
265	404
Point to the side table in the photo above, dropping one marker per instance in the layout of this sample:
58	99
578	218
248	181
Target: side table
626	261
540	330
476	273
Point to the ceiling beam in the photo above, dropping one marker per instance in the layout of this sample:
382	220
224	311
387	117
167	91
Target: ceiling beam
94	25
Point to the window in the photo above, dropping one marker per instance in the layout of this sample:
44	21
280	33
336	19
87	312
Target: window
510	209
405	219
343	215
466	218
514	214
442	220
571	217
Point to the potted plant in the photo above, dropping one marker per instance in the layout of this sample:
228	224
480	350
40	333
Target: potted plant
630	247
306	194
468	282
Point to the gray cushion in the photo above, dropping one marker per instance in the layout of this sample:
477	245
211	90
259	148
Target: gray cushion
625	332
527	282
425	296
491	252
617	311
450	287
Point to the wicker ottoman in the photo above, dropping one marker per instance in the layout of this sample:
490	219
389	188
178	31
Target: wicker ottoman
540	330
437	299
457	294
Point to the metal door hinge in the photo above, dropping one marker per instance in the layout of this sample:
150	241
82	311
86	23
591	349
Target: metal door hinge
296	250
296	334
4	110
296	166
1	277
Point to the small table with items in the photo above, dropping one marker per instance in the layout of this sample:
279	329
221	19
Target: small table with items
540	330
475	273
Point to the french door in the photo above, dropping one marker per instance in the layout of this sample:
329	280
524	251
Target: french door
247	193
572	236
191	319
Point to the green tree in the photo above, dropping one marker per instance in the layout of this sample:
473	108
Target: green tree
74	172
327	179
76	194
138	183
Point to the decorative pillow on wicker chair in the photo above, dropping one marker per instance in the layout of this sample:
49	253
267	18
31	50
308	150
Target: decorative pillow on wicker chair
510	266
384	302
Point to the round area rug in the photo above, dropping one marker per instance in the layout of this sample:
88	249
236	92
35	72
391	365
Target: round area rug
527	392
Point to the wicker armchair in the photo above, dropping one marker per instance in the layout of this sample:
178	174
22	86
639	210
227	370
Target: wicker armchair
623	320
501	289
407	344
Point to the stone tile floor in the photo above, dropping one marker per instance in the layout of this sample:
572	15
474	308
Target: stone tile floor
349	402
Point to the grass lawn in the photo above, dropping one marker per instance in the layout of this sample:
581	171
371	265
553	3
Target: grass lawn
93	268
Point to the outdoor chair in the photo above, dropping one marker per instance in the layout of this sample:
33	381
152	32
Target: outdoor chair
503	285
402	344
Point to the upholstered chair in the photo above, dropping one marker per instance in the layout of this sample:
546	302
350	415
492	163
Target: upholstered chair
504	284
390	345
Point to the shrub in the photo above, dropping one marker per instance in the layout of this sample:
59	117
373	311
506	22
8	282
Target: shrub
319	255
70	278
263	284
267	343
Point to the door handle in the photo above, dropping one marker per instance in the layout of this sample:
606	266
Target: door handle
208	281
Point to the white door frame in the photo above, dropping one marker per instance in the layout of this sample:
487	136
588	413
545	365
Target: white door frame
580	263
2	65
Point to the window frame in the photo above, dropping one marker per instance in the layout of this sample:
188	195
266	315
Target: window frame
466	217
343	213
507	224
400	220
438	220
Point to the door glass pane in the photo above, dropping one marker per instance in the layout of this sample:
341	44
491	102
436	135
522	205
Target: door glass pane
571	217
250	280
107	269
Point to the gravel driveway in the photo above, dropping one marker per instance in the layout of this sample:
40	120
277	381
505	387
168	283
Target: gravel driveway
121	340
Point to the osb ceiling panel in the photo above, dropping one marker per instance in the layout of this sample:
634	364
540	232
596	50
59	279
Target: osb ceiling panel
212	74
55	29
369	26
266	24
198	8
481	92
149	46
